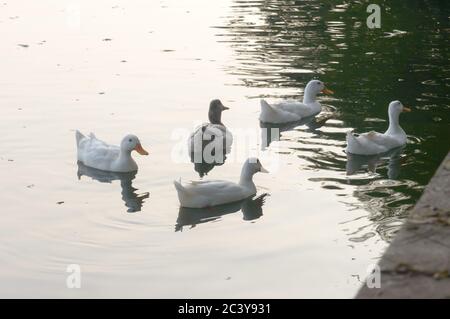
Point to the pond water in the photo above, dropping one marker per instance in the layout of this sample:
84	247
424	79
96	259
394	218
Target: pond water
151	68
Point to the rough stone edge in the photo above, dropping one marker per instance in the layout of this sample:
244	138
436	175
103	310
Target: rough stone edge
417	263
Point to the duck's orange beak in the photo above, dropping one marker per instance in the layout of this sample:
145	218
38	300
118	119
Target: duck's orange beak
140	150
327	91
406	109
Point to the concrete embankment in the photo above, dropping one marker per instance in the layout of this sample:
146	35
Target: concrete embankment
417	263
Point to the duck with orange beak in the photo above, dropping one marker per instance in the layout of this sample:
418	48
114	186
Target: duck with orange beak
376	143
95	153
293	111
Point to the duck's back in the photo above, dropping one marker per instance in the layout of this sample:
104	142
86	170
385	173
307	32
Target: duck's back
210	193
301	109
276	115
96	153
207	132
370	143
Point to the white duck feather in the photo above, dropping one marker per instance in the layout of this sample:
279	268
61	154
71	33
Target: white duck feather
372	143
206	193
293	111
95	153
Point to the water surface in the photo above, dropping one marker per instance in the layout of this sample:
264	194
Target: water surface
151	68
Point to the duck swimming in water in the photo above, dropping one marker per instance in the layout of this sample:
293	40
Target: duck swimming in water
95	153
200	194
372	143
293	111
215	130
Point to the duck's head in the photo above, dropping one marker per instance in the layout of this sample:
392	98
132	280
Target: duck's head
396	107
313	88
215	111
131	143
316	87
253	166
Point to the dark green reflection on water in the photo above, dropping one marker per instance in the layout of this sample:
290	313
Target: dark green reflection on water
281	44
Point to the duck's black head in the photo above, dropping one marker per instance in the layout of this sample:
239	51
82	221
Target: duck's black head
215	111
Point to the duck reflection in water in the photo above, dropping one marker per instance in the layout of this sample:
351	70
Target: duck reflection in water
359	162
133	201
209	155
251	209
203	164
272	132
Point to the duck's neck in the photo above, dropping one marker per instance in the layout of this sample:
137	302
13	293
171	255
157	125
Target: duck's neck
246	179
394	126
215	117
309	97
125	160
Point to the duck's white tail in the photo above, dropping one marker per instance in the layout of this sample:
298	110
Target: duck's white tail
352	142
79	136
266	111
273	114
183	192
265	106
178	186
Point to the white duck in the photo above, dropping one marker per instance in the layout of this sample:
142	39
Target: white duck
376	143
213	130
95	153
200	194
292	111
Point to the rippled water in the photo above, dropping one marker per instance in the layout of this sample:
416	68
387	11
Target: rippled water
151	68
282	44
